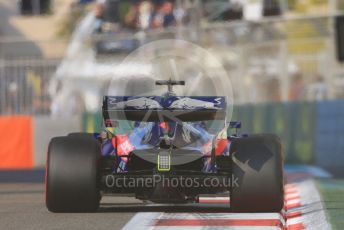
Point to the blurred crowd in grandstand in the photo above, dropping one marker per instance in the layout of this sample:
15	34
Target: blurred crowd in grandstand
24	84
140	15
153	14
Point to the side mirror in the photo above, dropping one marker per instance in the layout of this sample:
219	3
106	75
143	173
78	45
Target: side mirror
96	135
235	124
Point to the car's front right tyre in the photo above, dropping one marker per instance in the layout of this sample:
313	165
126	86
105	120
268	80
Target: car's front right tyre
72	175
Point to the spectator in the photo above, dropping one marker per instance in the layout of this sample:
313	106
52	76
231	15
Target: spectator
145	10
99	9
169	19
12	98
163	16
108	15
99	14
318	90
131	17
297	88
139	15
273	89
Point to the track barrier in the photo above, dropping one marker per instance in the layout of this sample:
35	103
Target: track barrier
312	132
16	142
24	139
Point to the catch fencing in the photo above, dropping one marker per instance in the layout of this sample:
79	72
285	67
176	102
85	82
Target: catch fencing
24	85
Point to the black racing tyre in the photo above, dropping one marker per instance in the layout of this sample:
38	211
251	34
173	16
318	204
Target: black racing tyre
257	164
72	175
81	135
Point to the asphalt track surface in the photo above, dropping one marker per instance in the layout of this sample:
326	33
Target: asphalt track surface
22	207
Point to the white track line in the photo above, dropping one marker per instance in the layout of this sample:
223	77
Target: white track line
313	215
142	220
228	216
302	201
216	228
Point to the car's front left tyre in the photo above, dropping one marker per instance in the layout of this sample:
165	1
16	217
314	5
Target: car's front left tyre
72	175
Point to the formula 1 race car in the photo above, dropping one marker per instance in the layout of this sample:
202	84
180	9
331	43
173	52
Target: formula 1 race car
165	149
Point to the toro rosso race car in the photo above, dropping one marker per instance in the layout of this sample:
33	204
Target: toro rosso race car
165	149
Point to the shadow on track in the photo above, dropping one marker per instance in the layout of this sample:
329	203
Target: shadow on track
205	208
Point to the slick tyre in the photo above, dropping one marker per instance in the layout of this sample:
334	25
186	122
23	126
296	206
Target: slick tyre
72	175
257	163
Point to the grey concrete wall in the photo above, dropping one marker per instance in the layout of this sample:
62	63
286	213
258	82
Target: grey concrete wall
45	128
